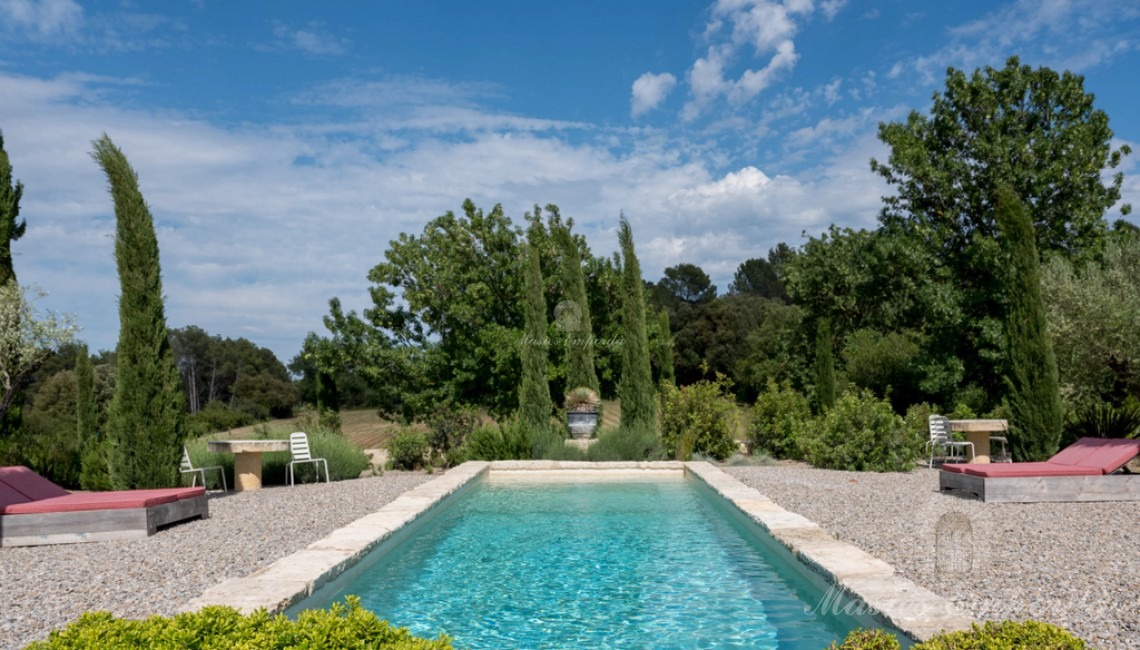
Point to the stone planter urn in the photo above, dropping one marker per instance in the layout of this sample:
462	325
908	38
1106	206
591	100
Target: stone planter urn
582	406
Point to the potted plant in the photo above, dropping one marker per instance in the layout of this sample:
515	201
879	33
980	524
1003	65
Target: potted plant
582	406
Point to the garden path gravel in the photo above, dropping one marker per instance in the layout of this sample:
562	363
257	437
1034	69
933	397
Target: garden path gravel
1076	565
46	587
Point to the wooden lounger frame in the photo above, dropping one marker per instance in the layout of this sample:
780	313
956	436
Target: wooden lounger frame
96	525
1043	489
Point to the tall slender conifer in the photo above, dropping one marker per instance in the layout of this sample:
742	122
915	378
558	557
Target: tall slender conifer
824	366
11	227
1034	396
580	370
146	427
534	391
638	409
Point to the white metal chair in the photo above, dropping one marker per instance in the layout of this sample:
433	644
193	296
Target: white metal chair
299	447
1004	456
188	468
942	437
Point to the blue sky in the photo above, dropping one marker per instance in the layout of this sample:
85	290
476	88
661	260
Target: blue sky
282	145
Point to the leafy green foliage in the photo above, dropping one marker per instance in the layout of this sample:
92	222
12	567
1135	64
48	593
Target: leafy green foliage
636	388
699	419
27	340
216	416
1092	312
408	450
1104	420
867	640
862	433
627	444
778	421
716	334
1034	396
237	373
1014	635
509	440
146	426
758	277
663	354
449	427
346	625
886	364
534	390
1034	131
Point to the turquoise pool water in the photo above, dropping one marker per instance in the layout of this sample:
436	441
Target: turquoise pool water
630	564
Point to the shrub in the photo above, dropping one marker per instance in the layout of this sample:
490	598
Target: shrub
862	433
1011	635
450	426
698	419
549	442
214	628
508	441
627	443
1103	420
1007	635
779	419
345	460
867	640
408	450
216	416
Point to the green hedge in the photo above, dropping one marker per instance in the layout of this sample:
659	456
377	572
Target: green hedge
1006	635
345	460
343	626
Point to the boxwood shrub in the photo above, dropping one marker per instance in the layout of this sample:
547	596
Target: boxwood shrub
1006	635
343	626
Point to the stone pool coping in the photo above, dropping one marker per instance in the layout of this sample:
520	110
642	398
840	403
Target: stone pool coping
872	583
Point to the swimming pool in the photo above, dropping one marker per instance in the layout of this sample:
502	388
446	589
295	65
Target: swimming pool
656	562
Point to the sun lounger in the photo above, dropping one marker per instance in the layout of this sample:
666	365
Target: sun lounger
34	511
1083	471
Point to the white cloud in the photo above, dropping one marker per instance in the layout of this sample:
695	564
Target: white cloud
831	7
259	226
649	91
764	28
311	39
42	19
1056	33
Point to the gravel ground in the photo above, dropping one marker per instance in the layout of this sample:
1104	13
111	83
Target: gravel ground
1076	565
46	587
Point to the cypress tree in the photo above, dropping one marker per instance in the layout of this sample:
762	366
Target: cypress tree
665	367
824	366
1034	395
636	387
580	370
534	391
11	228
145	427
93	461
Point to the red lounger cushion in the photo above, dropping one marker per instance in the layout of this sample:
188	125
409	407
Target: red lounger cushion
1077	452
84	501
1111	455
955	468
30	484
9	495
1008	470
